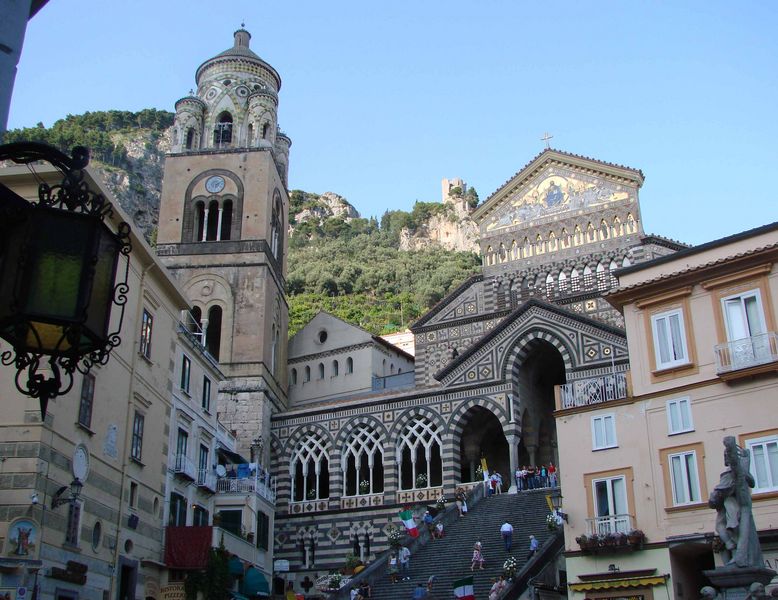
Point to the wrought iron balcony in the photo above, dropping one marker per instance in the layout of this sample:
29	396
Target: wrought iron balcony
206	479
586	392
183	465
747	353
602	526
257	485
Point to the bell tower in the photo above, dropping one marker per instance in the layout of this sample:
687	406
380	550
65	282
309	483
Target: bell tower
223	217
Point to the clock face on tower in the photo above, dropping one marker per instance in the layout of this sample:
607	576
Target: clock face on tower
214	184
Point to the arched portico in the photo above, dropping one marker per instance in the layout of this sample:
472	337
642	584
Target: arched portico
482	436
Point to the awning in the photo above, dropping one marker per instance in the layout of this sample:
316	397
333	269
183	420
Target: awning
187	547
618	584
235	566
229	455
255	584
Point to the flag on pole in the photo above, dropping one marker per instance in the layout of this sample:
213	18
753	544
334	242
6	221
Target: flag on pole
463	588
406	516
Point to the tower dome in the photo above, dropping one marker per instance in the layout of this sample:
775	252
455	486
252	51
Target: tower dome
235	105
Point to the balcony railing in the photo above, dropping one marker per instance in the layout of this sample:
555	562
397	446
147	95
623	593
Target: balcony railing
749	352
586	392
602	526
183	465
246	485
206	479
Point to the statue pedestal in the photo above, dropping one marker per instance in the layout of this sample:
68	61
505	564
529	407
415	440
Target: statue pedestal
733	582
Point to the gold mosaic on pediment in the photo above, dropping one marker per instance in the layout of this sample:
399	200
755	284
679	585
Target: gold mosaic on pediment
555	192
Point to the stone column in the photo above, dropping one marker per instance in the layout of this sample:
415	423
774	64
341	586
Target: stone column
513	458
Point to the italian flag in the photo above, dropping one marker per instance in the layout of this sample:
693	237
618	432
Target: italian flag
406	517
463	588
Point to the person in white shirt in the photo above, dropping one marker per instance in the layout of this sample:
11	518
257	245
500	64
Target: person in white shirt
507	535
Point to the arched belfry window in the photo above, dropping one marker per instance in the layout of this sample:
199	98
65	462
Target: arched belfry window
310	469
199	210
222	131
419	452
225	222
363	462
276	227
212	218
213	331
250	135
265	131
190	138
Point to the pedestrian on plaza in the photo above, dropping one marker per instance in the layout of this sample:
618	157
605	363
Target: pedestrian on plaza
405	563
543	476
517	478
420	592
438	533
498	480
498	587
552	474
353	594
492	484
478	556
506	531
459	496
533	546
530	477
430	583
523	478
393	567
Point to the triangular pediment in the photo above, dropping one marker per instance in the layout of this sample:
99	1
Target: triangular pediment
553	185
583	343
323	333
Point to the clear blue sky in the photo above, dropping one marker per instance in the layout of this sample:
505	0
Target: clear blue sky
383	99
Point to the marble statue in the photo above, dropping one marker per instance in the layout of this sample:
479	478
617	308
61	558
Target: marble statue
731	498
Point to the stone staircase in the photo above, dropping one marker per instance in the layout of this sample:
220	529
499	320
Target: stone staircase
449	559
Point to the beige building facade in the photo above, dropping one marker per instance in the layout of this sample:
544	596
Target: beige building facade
110	432
639	467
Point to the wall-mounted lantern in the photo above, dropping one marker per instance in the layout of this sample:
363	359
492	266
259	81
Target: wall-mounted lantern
58	275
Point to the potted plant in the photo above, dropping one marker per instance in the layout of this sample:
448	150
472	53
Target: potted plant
552	522
421	480
635	537
352	562
334	582
394	536
312	494
364	486
510	567
584	541
440	503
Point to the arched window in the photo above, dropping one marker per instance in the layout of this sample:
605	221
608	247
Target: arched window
489	255
514	250
250	134
273	347
602	279
199	210
265	131
565	238
502	254
363	462
190	136
335	368
575	280
549	285
588	278
418	452
540	245
553	244
307	374
391	368
225	220
213	332
577	236
277	226
310	469
293	376
222	131
212	221
626	262
321	370
631	226
197	316
526	248
562	280
617	230
591	234
349	365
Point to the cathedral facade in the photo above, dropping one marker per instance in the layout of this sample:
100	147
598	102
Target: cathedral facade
354	428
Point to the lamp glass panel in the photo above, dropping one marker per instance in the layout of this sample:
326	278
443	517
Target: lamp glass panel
101	296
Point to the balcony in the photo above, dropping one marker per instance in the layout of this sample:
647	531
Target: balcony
265	488
237	545
588	392
206	479
748	356
183	466
610	534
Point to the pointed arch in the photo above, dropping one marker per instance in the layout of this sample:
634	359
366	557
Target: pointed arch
222	130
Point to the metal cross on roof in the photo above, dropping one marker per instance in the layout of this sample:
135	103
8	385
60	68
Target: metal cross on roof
545	138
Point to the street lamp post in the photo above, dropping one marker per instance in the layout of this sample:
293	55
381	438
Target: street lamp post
58	275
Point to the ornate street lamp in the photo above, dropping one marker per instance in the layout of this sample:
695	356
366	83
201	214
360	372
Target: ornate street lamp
58	275
75	493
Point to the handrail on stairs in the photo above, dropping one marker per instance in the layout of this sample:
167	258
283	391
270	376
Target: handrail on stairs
546	553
